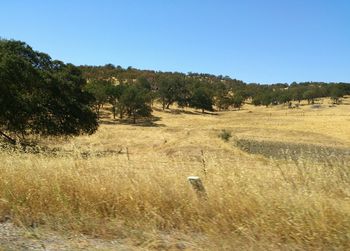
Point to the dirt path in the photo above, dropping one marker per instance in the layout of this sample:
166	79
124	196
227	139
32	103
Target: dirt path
13	238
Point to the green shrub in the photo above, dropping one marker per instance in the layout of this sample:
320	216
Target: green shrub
225	135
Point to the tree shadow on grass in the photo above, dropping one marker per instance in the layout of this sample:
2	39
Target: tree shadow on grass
180	111
104	115
59	152
142	122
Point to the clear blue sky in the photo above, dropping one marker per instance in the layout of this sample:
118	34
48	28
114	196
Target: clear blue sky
263	41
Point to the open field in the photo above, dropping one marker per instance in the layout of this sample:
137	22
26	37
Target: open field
282	181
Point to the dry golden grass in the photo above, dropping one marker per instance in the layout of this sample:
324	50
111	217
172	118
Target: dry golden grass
142	195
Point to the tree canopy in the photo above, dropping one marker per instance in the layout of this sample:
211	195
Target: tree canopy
40	95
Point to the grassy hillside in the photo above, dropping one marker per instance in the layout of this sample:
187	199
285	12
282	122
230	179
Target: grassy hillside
130	181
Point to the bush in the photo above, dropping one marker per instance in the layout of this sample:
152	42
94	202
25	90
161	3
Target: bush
225	135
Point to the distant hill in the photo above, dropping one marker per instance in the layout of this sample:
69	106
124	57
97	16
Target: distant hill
223	87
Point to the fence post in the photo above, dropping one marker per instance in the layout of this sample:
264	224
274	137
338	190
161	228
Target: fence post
197	185
127	153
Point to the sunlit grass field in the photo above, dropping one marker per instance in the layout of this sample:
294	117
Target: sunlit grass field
130	181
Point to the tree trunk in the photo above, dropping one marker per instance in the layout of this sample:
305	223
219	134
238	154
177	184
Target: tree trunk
98	111
121	112
134	118
163	103
8	138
